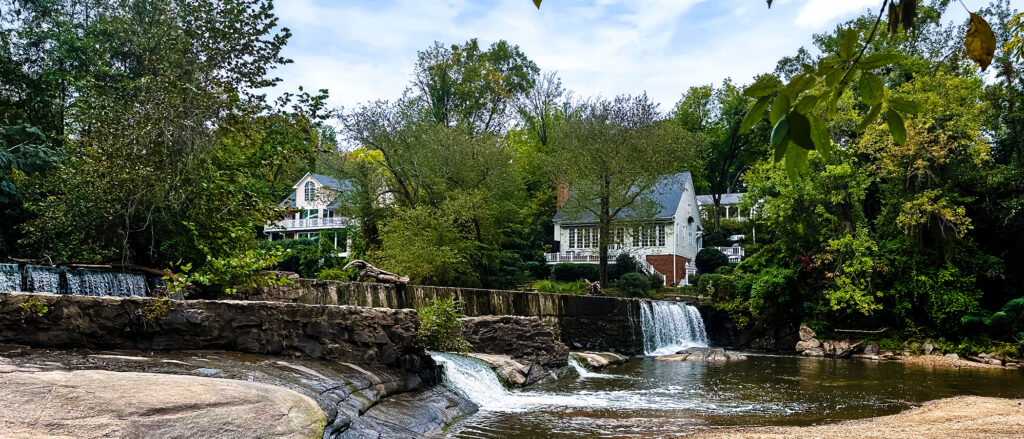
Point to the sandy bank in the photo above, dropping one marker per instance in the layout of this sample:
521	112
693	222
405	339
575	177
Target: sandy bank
959	417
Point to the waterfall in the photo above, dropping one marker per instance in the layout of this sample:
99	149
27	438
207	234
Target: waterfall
478	383
10	277
670	326
65	280
105	283
42	279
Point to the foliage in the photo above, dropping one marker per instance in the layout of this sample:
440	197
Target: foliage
624	263
338	274
614	152
709	259
569	272
244	271
306	256
33	308
440	328
577	288
1007	323
158	310
429	247
635	284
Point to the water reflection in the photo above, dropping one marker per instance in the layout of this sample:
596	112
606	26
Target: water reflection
649	398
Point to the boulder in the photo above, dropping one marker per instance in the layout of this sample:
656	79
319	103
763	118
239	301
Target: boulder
952	356
814	352
598	360
711	355
927	348
509	370
95	403
839	348
871	348
806	334
995	361
1012	365
525	340
805	345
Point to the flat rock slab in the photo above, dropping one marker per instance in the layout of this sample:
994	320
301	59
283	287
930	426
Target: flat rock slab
599	360
959	417
96	403
710	355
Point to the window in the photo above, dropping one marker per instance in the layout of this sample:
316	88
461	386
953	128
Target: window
309	193
650	236
583	237
314	213
328	213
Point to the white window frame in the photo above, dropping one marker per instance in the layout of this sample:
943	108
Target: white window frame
309	191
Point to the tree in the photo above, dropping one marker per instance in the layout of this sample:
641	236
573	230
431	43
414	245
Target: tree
613	152
726	153
464	85
709	259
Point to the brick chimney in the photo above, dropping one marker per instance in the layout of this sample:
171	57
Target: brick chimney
561	192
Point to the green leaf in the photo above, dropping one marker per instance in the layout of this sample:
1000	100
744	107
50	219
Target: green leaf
764	85
848	45
869	118
896	127
796	161
806	103
800	130
833	103
799	84
780	134
780	106
871	88
903	105
822	141
754	114
876	60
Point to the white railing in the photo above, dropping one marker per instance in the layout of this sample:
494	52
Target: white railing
594	258
307	224
735	253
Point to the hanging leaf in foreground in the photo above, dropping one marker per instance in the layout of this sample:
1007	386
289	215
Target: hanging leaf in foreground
537	2
980	41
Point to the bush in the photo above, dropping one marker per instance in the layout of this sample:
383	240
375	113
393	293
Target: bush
577	288
624	263
337	273
634	284
440	328
654	281
1006	324
574	272
709	259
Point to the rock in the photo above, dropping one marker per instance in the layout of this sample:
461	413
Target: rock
209	373
598	360
803	345
806	334
865	357
913	348
983	355
839	348
871	348
509	370
711	355
952	356
815	352
995	361
526	340
927	348
1012	365
95	403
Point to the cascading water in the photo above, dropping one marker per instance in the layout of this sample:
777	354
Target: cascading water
41	279
668	327
10	277
65	280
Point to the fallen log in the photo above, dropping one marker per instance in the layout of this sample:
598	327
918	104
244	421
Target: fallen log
861	331
367	271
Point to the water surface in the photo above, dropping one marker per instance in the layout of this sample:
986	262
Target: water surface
650	398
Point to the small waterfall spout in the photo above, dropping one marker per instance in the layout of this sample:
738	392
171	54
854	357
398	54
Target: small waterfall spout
68	280
669	327
474	380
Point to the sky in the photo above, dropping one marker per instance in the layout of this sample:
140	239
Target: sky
364	50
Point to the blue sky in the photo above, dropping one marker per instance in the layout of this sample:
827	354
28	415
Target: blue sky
365	50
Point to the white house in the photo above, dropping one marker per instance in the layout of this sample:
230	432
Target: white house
313	203
665	244
728	208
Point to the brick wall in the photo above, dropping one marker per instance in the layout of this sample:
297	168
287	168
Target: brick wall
663	263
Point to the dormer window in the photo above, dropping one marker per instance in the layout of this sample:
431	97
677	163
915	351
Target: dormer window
309	191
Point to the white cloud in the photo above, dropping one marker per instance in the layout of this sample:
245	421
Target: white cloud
816	13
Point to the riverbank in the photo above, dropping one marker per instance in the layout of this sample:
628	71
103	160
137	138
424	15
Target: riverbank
957	417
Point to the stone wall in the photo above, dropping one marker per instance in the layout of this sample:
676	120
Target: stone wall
581	322
373	336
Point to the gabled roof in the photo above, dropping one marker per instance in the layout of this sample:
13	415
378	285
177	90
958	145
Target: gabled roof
667	192
731	198
330	182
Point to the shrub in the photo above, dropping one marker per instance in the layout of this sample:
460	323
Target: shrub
709	259
574	272
654	281
337	273
440	328
624	263
577	288
634	284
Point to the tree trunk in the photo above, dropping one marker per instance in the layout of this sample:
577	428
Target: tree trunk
717	202
603	233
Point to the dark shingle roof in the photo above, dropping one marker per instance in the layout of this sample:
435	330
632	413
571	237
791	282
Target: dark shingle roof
333	183
667	192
